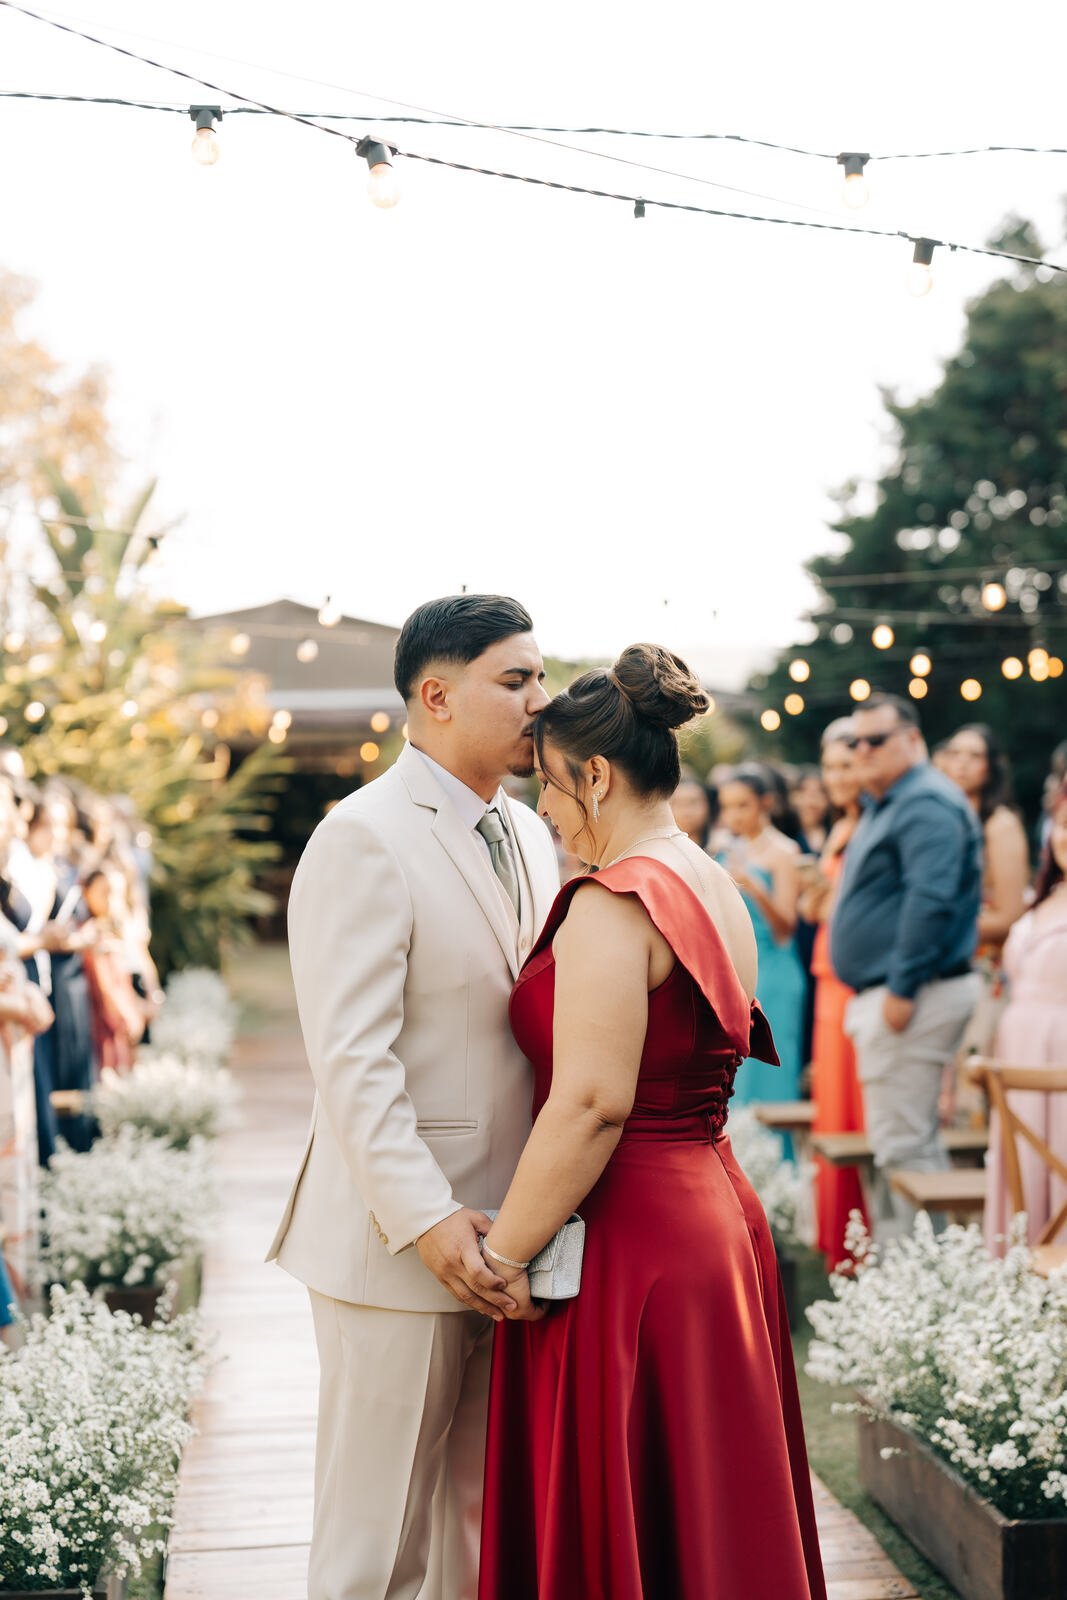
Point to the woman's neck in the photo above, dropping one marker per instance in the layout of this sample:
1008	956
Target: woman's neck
634	823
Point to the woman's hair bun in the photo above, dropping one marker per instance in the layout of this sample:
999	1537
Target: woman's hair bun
659	685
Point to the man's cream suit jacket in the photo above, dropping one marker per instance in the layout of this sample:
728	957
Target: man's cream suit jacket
404	949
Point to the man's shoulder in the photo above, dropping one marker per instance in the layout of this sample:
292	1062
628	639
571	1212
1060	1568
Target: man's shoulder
931	793
378	809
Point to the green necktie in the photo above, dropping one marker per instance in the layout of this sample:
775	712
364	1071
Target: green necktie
492	831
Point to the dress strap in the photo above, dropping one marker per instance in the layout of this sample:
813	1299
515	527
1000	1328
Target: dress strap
683	920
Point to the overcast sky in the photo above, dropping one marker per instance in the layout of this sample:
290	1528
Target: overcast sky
632	426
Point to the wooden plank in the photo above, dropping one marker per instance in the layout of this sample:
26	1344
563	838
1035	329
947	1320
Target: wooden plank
785	1116
958	1189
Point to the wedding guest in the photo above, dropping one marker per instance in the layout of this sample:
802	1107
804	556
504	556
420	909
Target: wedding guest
764	867
777	805
118	1017
73	1061
691	806
24	1012
835	1087
27	896
903	937
976	760
1033	1033
1057	774
811	806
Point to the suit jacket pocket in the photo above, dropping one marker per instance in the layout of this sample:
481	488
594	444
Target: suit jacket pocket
434	1127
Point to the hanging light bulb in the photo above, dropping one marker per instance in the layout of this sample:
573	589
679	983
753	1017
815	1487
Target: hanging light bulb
799	670
854	190
205	146
883	636
859	689
1055	667
380	722
971	689
794	704
306	650
920	278
994	596
770	720
240	644
1011	667
329	614
918	688
382	187
920	664
369	751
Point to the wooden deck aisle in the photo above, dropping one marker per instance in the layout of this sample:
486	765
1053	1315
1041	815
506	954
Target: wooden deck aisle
244	1506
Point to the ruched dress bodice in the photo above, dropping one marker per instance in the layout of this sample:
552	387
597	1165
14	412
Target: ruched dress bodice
619	1461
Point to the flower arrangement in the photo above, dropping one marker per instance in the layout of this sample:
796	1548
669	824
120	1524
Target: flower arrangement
170	1099
125	1211
93	1416
780	1184
967	1352
197	1019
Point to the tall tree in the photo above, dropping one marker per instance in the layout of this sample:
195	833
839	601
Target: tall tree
976	495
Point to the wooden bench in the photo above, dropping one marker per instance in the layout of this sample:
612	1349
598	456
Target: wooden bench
960	1191
786	1116
853	1149
67	1102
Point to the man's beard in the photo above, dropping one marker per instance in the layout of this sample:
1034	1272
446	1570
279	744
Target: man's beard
526	770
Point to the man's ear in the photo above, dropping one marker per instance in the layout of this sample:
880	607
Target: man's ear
433	694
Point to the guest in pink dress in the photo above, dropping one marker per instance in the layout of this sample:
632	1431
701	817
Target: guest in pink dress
1033	1033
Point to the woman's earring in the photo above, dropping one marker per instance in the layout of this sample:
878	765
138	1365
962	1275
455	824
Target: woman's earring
596	806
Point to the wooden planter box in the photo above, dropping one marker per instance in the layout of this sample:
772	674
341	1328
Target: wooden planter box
982	1553
109	1589
143	1301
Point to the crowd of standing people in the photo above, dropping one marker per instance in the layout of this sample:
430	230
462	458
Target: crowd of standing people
78	986
901	929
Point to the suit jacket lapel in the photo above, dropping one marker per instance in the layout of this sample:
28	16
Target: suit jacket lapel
461	846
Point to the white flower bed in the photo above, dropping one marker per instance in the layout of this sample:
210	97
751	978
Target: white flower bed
93	1417
125	1211
966	1352
781	1185
197	1020
173	1100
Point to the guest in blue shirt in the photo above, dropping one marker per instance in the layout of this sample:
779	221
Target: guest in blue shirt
903	935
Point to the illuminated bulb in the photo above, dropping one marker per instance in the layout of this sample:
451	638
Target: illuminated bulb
920	664
771	721
380	721
859	689
306	650
854	190
994	596
1011	667
205	147
129	708
799	670
1055	667
382	186
98	632
883	636
971	689
920	278
330	615
239	644
276	735
283	719
1039	671
34	711
1037	657
369	751
918	688
794	704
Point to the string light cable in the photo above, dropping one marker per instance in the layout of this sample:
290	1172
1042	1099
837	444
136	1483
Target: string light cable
923	245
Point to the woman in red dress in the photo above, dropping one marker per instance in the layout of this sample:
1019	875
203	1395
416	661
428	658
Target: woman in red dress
645	1439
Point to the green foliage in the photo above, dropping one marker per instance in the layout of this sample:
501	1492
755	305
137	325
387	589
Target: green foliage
976	490
124	688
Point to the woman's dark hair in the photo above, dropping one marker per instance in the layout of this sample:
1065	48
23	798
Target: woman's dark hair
459	628
751	777
627	714
996	790
1049	873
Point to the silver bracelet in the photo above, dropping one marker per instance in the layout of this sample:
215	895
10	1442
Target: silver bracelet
504	1260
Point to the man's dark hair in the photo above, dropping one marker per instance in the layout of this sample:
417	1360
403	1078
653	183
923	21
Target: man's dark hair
459	628
905	709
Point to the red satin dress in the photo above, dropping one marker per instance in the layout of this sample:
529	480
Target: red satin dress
645	1439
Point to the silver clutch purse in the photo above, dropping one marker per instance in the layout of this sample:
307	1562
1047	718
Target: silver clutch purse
555	1273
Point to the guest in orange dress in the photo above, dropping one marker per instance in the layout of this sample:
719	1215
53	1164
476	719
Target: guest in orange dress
118	1015
836	1091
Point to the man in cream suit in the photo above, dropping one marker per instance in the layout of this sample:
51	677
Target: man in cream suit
413	907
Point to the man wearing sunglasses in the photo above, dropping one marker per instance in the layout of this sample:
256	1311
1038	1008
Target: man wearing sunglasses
902	935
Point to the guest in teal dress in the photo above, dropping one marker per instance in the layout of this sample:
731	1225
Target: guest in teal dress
764	865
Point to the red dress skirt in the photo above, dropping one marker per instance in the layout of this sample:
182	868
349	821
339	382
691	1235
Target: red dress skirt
645	1439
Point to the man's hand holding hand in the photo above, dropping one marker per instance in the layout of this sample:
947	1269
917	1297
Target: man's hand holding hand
450	1250
896	1011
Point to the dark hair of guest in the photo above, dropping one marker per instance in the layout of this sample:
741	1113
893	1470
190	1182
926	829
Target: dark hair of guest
1049	873
753	778
996	791
905	709
627	714
457	629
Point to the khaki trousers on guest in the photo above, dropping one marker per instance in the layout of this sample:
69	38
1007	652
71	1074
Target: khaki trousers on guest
901	1078
400	1452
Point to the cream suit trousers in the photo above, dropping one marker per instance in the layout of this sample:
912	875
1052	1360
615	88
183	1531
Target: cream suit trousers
402	1417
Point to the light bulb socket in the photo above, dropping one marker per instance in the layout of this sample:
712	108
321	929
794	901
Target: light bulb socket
639	208
374	153
205	116
853	162
924	251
